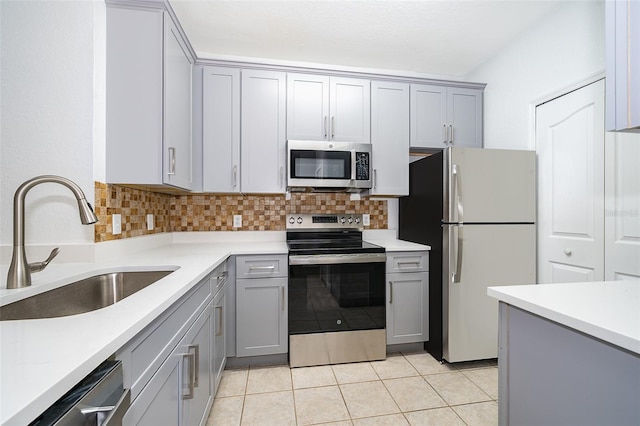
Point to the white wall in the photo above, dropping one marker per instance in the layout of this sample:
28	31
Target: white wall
47	114
564	48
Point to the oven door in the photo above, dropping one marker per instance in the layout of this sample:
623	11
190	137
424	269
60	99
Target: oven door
329	293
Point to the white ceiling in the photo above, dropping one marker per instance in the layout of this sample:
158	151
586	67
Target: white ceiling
428	36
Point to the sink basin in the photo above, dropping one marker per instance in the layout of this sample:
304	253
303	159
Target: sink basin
86	295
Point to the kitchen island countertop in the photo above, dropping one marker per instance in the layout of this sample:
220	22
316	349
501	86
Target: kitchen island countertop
608	310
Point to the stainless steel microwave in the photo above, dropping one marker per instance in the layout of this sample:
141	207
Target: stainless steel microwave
328	166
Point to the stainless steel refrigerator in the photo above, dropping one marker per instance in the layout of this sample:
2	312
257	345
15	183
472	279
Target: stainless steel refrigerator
476	209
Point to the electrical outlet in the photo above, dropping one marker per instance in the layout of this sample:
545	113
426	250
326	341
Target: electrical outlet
366	220
237	221
116	224
150	224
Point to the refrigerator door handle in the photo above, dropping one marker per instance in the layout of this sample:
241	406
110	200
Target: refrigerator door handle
457	193
455	277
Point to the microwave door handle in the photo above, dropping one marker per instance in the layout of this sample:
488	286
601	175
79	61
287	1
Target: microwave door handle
353	164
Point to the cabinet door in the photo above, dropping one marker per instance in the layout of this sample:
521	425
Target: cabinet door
428	116
197	344
177	143
134	123
350	106
159	402
307	107
219	336
261	316
464	117
221	129
263	131
390	138
407	307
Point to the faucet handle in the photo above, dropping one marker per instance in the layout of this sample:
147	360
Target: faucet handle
39	266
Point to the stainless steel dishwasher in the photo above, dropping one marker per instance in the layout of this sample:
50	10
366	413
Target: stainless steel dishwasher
98	400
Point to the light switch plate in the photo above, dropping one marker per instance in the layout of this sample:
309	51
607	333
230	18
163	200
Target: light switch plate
237	221
150	224
116	224
366	220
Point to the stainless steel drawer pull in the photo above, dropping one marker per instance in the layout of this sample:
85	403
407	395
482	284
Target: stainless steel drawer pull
262	268
190	386
390	292
283	299
417	263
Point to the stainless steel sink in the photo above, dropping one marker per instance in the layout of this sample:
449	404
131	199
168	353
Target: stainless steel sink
86	295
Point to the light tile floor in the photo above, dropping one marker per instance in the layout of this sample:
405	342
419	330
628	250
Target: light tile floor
404	389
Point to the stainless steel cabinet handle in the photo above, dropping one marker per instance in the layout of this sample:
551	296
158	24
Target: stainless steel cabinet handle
390	292
190	356
445	134
375	180
196	367
262	268
451	133
282	298
409	263
172	161
235	175
333	127
220	320
325	126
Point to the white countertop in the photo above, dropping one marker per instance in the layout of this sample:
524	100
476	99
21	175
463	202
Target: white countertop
609	311
40	360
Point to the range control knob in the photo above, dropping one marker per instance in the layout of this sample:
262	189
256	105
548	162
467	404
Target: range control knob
357	220
299	219
292	220
350	219
342	220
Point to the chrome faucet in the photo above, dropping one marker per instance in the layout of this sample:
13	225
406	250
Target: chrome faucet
20	271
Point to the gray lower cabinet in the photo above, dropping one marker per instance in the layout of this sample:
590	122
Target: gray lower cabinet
168	365
181	391
261	305
407	297
551	374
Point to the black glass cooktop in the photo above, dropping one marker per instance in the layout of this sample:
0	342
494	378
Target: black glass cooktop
329	243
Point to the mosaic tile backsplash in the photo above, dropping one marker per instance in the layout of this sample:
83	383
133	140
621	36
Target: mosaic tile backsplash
214	212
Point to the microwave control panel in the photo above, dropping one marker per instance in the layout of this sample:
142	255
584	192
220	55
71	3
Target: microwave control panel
362	166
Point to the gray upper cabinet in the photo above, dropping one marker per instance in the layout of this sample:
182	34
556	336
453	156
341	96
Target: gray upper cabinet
444	116
622	38
220	129
321	107
390	138
263	125
148	100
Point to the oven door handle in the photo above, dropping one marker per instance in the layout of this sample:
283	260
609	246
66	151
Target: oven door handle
336	259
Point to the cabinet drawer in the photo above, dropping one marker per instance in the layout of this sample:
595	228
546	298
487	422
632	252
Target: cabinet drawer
417	261
261	266
142	356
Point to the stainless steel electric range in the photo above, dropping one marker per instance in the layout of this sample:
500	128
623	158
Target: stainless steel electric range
336	291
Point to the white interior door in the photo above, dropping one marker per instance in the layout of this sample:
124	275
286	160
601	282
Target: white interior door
570	148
